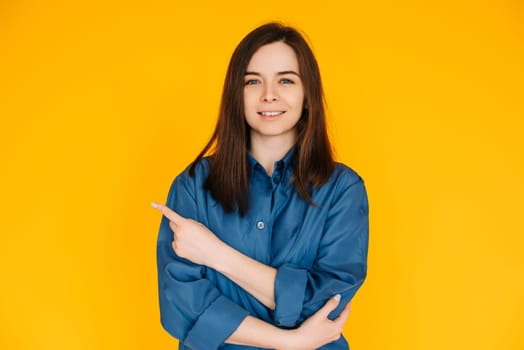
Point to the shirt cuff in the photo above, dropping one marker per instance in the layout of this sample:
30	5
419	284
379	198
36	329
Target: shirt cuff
215	324
290	286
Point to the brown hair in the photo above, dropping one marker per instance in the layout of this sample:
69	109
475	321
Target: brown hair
313	160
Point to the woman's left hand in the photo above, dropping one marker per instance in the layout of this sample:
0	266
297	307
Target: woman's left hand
191	240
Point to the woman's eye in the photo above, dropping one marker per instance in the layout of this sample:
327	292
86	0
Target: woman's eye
251	82
286	81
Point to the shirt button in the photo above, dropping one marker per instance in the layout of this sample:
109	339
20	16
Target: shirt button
276	180
260	225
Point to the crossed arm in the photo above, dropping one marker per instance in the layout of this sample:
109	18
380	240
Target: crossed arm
196	243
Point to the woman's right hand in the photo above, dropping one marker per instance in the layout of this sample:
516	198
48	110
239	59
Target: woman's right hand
318	329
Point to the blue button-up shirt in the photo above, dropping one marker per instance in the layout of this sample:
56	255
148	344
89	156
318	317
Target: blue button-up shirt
319	251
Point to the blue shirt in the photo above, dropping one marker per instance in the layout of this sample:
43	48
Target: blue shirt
318	251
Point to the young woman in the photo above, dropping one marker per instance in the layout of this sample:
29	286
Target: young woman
264	242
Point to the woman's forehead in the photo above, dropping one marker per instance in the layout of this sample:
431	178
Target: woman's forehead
273	58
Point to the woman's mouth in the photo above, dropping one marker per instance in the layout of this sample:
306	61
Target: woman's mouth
271	113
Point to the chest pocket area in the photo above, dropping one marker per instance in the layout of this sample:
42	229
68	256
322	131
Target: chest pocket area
297	235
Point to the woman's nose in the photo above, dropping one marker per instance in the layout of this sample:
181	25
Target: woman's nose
269	94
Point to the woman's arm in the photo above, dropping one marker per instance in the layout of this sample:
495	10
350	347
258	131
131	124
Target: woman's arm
315	332
340	265
192	308
195	242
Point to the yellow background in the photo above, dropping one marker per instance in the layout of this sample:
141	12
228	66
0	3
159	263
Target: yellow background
103	103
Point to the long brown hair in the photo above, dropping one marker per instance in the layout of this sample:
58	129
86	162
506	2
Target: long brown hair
313	161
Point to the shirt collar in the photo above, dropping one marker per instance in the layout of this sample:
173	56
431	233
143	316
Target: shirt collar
285	161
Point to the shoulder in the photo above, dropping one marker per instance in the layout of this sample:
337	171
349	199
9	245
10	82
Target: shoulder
348	188
344	182
195	171
193	176
344	176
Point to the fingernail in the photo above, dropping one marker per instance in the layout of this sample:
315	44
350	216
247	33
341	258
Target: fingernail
154	205
337	297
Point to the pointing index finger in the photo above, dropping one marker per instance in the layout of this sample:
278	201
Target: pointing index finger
168	213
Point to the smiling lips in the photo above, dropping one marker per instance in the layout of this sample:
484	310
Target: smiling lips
271	113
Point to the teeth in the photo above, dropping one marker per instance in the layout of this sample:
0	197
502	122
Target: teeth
270	114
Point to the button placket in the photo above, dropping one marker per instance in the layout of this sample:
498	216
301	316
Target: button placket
277	175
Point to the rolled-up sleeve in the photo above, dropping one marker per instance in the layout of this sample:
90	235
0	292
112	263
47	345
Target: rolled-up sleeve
340	266
192	309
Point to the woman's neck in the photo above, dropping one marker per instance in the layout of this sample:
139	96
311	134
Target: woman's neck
268	150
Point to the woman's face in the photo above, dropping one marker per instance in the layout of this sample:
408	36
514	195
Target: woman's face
273	92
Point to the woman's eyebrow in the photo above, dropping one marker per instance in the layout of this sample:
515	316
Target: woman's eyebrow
288	72
284	72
